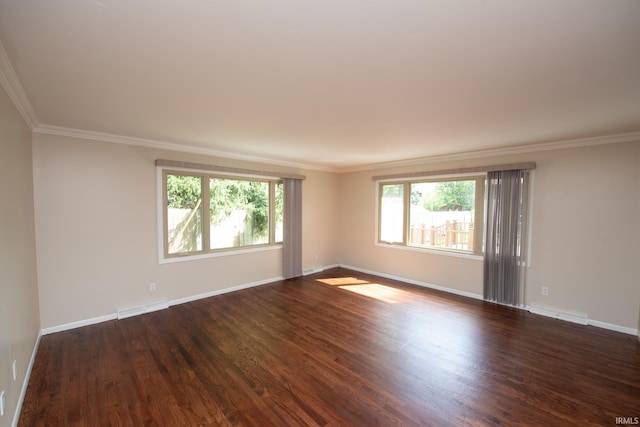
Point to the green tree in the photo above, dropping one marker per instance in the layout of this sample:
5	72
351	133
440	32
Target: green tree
226	196
183	192
250	196
451	196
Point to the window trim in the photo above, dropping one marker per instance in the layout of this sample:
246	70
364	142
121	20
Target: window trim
205	175
479	217
379	211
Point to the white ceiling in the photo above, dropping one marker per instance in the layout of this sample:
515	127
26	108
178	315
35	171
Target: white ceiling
333	83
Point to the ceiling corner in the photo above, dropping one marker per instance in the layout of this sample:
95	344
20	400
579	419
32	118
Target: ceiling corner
11	84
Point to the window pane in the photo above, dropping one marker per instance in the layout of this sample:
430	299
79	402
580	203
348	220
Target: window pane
184	213
279	210
392	213
239	213
442	214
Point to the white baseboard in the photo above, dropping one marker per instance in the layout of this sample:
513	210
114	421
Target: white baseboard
578	318
222	291
312	270
612	327
123	313
571	317
138	310
415	282
318	269
79	324
581	319
25	382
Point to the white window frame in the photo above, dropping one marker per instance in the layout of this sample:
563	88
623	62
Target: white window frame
164	257
479	220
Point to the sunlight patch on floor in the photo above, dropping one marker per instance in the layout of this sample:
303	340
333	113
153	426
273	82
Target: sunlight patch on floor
379	292
368	289
340	281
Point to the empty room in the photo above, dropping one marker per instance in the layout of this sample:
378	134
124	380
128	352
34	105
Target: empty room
357	213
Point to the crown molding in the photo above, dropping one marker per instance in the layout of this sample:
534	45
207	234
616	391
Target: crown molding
467	155
162	145
11	84
504	151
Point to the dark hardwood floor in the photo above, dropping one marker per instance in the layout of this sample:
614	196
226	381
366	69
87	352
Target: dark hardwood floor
338	348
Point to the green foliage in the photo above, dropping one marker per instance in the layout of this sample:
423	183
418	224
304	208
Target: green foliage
183	192
250	196
451	196
279	208
226	196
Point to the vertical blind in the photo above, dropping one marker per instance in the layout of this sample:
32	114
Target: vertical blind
506	225
506	235
292	242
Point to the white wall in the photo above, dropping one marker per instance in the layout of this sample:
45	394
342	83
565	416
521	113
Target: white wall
584	247
19	319
586	232
97	232
319	219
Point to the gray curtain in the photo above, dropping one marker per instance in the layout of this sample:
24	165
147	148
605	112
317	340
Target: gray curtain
506	232
292	241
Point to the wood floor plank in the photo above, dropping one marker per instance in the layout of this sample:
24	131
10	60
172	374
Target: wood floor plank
337	348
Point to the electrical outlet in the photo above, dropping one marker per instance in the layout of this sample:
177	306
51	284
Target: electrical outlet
14	370
545	291
2	403
152	287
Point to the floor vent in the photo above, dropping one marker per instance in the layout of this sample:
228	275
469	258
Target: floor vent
578	318
314	270
142	309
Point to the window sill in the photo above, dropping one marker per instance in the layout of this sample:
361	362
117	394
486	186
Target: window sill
433	251
217	254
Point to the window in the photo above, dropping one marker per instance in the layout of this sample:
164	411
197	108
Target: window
443	214
205	213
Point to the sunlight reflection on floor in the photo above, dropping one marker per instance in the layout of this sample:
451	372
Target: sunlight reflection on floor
338	281
435	346
365	288
379	292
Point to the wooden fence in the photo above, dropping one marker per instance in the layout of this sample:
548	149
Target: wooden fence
452	234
